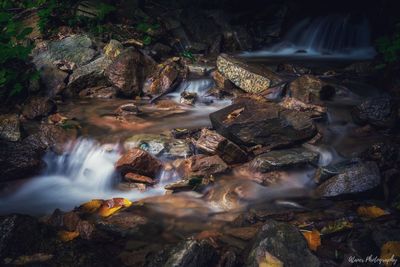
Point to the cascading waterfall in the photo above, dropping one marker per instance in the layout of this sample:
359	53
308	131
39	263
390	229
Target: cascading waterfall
86	171
334	36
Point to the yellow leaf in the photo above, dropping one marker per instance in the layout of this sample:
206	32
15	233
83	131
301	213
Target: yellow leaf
270	261
313	239
371	212
111	206
91	206
66	236
336	226
390	251
106	211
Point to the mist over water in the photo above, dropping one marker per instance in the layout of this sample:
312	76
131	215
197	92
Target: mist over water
334	36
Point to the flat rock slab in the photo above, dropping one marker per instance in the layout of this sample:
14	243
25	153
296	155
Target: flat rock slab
283	159
251	122
249	77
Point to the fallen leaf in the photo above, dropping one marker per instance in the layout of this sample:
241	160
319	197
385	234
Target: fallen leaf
336	226
390	251
91	206
66	236
371	212
313	239
233	115
270	261
111	206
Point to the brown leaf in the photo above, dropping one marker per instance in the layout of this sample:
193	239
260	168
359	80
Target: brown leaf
313	239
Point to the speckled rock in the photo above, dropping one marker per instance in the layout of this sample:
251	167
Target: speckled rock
356	178
251	122
284	242
250	78
113	49
10	127
282	159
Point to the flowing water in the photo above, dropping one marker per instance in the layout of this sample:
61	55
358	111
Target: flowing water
329	37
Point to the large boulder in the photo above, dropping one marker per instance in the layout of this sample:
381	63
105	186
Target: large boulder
354	178
140	162
10	127
284	242
249	77
76	49
128	71
53	79
251	122
380	112
38	107
89	75
283	159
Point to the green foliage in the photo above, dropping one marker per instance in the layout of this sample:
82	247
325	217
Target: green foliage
147	29
389	47
189	55
14	52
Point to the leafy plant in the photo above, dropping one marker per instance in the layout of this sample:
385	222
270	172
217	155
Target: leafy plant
189	55
389	47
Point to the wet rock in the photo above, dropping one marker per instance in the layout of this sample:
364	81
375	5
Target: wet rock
356	178
324	173
193	253
251	122
165	76
293	69
310	89
77	49
53	137
188	98
127	109
185	185
128	71
20	159
23	235
140	162
202	166
213	143
89	75
38	107
250	78
136	178
53	79
103	92
297	105
113	49
385	154
159	144
283	159
379	112
10	127
221	81
284	242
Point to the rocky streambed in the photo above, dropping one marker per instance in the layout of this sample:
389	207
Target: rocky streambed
217	162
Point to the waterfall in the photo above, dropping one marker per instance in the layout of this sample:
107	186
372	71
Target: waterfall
334	36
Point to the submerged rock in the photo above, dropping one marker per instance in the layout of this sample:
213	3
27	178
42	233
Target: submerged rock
356	178
284	242
251	122
282	159
140	162
10	128
380	112
250	78
128	71
193	253
188	98
213	143
37	107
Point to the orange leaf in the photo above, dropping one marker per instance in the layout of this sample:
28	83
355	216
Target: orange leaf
390	251
66	236
91	206
371	212
313	239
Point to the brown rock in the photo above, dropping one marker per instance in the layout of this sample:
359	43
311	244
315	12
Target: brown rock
38	107
294	104
128	71
213	143
140	162
104	92
201	165
136	178
10	127
249	77
221	81
310	89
